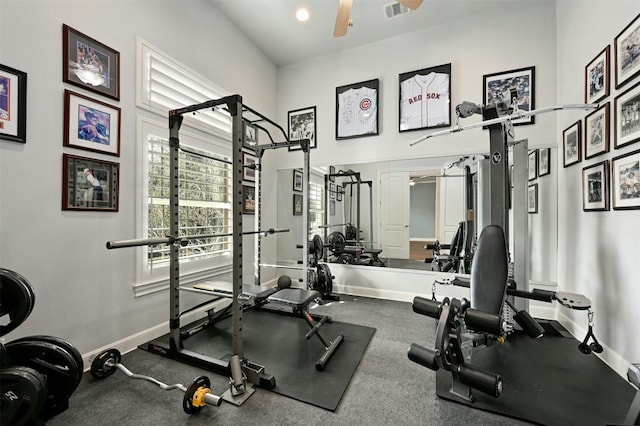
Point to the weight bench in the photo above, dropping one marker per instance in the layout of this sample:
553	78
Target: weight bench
299	300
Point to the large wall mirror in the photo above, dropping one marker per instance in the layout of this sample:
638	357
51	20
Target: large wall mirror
405	205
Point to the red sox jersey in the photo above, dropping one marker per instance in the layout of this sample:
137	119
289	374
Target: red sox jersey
357	112
424	101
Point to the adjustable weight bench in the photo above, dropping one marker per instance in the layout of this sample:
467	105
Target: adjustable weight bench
299	300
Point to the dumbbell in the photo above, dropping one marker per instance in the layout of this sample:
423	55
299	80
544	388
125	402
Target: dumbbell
196	396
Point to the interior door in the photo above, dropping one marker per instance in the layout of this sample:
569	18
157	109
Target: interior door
451	210
394	214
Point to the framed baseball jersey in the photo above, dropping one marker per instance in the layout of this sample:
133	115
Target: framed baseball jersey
425	98
357	110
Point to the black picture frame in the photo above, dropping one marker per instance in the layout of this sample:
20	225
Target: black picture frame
596	77
89	184
297	204
248	200
332	191
532	198
249	135
90	124
297	180
518	83
626	117
425	98
13	104
595	187
89	64
596	132
544	161
332	208
627	53
339	194
302	125
572	144
625	181
332	171
248	173
357	110
533	164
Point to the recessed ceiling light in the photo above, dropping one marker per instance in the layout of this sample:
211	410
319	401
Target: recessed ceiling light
302	15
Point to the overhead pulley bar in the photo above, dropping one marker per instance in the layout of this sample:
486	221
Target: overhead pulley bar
183	241
514	116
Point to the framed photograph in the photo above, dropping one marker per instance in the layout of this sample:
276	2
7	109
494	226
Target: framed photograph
89	184
596	78
248	199
297	180
544	161
332	208
332	171
90	124
572	144
513	88
13	104
339	194
248	167
533	164
249	135
297	204
627	117
595	187
302	125
332	191
532	198
596	132
357	110
625	172
89	64
425	98
627	52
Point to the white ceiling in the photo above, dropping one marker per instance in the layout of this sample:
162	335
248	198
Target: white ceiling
271	24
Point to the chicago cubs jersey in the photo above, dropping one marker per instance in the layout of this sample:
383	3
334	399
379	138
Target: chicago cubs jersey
357	112
424	101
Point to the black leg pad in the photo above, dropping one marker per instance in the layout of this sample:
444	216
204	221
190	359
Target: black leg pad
423	356
427	307
489	383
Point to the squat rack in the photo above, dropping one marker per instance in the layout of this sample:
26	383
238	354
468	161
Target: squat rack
237	366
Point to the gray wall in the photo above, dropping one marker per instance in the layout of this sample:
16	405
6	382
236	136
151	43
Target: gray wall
423	210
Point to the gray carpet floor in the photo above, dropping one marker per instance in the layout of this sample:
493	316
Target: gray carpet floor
386	388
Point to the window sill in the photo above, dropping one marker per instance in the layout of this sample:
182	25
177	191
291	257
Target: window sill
156	286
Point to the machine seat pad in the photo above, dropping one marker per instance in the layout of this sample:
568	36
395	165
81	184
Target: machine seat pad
294	297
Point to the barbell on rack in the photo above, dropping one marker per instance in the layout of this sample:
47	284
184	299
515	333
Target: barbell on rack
183	241
196	395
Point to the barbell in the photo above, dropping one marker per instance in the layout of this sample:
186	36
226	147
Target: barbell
183	241
196	395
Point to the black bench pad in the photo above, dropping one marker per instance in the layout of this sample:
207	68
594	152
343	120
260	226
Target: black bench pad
297	298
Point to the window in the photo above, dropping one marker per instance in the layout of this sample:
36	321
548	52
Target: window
316	203
204	174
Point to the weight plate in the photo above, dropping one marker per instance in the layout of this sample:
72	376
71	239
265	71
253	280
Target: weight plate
24	392
317	247
336	242
99	369
312	279
187	401
53	362
64	345
328	279
17	299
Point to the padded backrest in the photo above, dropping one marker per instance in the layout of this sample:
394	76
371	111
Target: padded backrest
489	271
457	241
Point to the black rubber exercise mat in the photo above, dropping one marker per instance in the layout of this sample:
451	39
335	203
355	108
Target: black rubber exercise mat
548	381
278	343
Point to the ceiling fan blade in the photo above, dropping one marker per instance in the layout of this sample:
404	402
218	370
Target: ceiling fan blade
343	18
411	4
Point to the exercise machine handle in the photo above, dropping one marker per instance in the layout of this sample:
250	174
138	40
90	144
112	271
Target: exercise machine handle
489	383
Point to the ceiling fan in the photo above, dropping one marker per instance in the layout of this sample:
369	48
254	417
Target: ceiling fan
343	19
